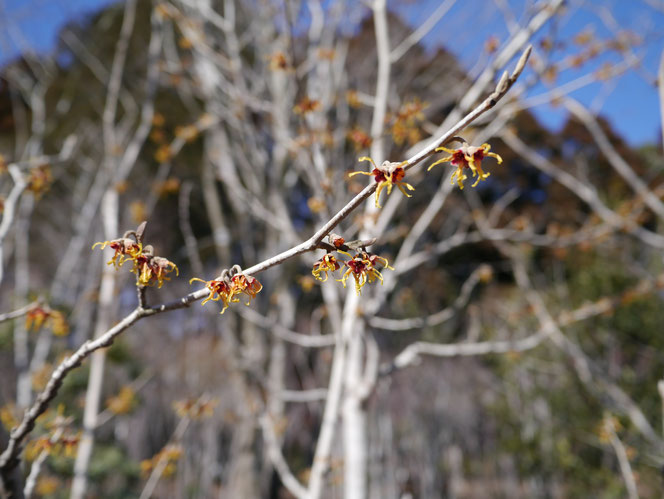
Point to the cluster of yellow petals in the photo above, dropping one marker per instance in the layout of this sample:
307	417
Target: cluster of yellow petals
200	408
170	454
123	402
328	263
60	440
149	269
62	445
152	270
362	266
363	269
227	290
39	316
125	249
467	156
387	175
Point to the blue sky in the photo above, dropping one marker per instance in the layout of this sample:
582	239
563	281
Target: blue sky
630	102
33	25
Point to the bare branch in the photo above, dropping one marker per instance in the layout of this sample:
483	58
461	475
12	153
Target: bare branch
281	332
7	316
278	460
623	460
439	317
421	31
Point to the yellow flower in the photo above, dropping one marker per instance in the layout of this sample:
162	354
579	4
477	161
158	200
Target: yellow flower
195	409
406	122
359	138
387	175
47	486
363	269
123	402
326	264
246	284
153	269
219	290
279	62
306	105
40	180
125	249
227	289
9	416
467	157
171	454
38	316
58	323
149	269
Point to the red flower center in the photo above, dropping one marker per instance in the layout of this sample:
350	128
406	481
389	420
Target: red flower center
357	266
459	159
379	175
479	155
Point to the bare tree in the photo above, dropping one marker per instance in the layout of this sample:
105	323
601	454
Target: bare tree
263	109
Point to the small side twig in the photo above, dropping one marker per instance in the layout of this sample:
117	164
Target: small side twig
7	316
158	470
278	460
623	460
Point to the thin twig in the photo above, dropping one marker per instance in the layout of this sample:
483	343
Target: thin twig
158	470
278	460
434	319
422	30
303	340
7	316
623	460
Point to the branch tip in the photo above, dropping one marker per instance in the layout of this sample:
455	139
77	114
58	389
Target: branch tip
522	61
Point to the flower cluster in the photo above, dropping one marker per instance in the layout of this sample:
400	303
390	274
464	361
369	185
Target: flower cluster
123	402
125	249
467	156
326	264
9	416
306	105
389	174
40	180
406	122
279	62
149	269
47	486
363	269
386	175
362	266
59	440
170	454
228	287
38	316
58	445
196	409
359	138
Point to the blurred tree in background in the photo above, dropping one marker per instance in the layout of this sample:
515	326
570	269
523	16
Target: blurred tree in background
514	351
